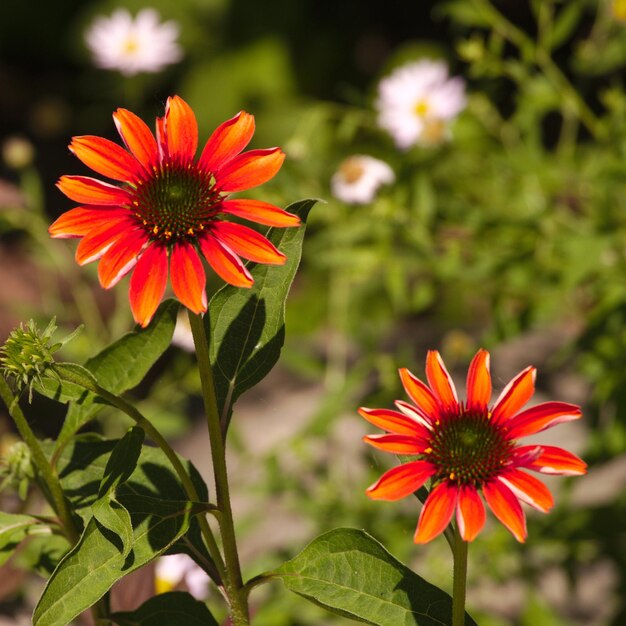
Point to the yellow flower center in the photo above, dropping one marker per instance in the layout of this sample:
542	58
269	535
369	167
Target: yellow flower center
618	8
130	46
351	170
421	108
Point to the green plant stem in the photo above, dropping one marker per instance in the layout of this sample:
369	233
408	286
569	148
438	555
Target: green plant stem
163	444
234	581
459	579
44	469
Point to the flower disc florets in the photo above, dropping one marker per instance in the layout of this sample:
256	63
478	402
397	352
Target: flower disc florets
467	448
176	203
471	448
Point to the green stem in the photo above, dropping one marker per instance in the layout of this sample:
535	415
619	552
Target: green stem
459	579
44	469
158	438
234	581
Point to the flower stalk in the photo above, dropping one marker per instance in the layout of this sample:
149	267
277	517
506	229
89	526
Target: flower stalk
459	578
233	581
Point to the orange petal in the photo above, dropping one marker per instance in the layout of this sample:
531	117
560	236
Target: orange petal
479	381
437	512
137	137
528	489
506	508
161	137
93	245
249	169
397	444
227	141
187	276
147	284
259	212
554	460
541	417
81	220
420	394
439	380
121	257
247	243
226	264
105	157
181	129
470	513
394	422
91	191
414	413
515	395
401	481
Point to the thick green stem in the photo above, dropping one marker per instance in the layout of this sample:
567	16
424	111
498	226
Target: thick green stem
234	581
44	469
459	579
158	438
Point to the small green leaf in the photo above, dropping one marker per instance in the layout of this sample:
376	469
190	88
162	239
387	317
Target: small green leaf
168	609
13	529
248	325
349	573
123	460
119	367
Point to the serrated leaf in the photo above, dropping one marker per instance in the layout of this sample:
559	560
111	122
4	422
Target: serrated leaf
349	573
13	529
95	564
248	325
117	368
168	609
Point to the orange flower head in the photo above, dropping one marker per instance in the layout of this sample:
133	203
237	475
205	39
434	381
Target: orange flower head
467	448
168	209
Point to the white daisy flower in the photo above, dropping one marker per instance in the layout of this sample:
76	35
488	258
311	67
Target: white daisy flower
129	45
174	569
417	102
358	178
182	337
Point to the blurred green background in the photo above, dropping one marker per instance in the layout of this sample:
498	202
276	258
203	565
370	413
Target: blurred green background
511	236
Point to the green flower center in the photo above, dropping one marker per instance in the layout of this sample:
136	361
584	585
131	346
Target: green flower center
176	202
468	448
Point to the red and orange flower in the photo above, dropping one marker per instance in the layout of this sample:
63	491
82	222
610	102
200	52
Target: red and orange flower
169	209
467	447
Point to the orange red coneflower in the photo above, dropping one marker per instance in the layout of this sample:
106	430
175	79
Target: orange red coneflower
468	448
168	209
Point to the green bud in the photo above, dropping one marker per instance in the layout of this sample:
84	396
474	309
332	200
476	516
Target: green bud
27	354
17	469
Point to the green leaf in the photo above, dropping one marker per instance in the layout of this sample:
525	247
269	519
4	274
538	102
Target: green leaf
168	609
119	367
349	573
159	511
91	568
82	464
123	460
112	516
13	529
248	325
565	23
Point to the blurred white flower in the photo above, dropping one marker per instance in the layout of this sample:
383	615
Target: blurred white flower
182	337
174	569
129	45
358	178
417	101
